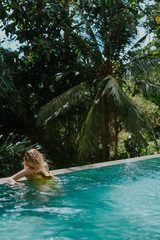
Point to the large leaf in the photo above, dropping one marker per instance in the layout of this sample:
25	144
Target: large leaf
149	88
59	105
91	130
143	64
133	118
138	43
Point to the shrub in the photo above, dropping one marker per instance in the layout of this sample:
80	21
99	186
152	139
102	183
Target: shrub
12	150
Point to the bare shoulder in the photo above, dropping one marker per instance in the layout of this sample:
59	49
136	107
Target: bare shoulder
27	171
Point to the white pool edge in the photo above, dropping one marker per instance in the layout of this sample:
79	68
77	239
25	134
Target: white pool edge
95	165
103	164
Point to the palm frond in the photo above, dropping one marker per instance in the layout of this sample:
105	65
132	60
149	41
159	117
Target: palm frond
59	105
143	64
90	34
149	89
135	45
91	130
81	43
133	119
113	88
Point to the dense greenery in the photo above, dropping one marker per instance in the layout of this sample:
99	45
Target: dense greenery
11	153
72	86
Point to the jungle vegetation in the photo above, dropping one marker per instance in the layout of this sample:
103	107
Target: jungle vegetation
81	86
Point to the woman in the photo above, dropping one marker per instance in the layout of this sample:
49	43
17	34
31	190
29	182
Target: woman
35	168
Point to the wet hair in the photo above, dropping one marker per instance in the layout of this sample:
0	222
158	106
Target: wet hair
33	159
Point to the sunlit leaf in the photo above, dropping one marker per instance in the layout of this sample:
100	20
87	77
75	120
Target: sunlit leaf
59	105
157	18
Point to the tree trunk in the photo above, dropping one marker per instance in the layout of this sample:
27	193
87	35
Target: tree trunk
106	131
116	137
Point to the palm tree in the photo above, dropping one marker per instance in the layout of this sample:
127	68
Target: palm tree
107	28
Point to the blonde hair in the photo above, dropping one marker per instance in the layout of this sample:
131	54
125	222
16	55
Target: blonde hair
33	159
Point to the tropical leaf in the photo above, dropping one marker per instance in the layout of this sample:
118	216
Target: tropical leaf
133	119
59	105
113	88
82	44
135	45
142	64
148	88
89	137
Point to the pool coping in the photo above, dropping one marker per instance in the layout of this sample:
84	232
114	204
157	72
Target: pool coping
95	165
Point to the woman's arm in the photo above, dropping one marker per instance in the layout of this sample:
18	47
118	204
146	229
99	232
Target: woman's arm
47	169
22	173
54	177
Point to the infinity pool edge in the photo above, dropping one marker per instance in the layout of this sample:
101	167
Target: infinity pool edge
94	165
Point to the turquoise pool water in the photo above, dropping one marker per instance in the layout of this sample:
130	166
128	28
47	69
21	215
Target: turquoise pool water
116	202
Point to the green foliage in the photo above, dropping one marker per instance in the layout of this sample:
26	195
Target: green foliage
12	150
150	109
152	148
34	22
62	103
73	59
13	115
129	147
58	138
108	30
7	64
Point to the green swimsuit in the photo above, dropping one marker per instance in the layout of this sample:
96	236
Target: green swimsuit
38	176
41	178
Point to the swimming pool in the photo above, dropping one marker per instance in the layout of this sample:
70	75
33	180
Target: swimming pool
115	202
